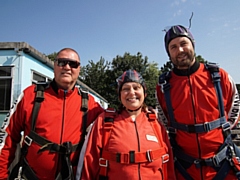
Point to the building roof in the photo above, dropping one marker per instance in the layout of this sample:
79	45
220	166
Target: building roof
26	48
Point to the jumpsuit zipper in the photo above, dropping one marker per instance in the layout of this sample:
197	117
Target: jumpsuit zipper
195	121
139	174
61	134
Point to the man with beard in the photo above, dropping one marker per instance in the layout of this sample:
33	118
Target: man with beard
201	104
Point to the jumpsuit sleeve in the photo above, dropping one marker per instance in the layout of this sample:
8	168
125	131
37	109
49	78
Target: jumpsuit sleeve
231	96
91	168
94	110
11	135
170	173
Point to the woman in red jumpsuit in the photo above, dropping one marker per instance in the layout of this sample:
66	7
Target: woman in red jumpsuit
134	145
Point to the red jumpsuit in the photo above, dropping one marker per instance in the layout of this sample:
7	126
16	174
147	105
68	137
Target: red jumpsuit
127	135
194	101
59	120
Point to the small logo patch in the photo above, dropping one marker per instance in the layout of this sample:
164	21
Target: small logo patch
151	138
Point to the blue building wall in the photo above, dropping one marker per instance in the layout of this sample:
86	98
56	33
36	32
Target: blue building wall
30	64
23	65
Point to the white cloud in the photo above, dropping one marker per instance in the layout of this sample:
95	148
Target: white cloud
178	13
236	28
226	25
178	2
175	3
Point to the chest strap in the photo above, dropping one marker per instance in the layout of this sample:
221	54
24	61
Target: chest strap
48	145
201	128
134	157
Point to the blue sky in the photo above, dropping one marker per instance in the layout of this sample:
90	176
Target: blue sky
107	28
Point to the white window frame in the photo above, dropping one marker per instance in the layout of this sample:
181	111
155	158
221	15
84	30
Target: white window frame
11	88
34	81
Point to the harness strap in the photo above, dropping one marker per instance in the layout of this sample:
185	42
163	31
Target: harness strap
39	97
216	78
136	157
213	161
182	170
107	128
221	161
155	125
84	109
223	170
165	87
200	128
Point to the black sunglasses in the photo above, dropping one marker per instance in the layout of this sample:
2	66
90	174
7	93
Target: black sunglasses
61	62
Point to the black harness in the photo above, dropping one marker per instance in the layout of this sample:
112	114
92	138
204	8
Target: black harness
228	154
22	169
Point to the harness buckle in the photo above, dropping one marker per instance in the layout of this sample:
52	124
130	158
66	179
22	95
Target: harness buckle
206	127
19	176
165	158
172	130
28	140
103	162
196	162
226	126
110	110
149	155
214	160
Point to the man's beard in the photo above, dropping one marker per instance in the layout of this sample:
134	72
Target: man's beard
184	63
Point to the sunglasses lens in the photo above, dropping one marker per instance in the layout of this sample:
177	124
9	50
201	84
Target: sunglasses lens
73	64
64	62
61	63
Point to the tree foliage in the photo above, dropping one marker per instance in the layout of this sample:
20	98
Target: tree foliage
52	56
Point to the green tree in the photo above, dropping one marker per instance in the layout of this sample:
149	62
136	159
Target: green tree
94	75
200	59
52	56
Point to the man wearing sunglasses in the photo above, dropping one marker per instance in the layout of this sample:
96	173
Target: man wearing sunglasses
54	141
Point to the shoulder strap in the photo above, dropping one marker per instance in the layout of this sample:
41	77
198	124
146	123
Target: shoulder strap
39	97
110	114
163	81
213	68
165	87
84	109
155	125
84	95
